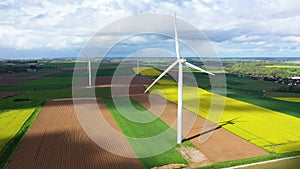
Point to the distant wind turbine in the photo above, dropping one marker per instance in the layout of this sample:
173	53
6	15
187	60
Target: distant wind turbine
137	66
89	70
180	62
90	74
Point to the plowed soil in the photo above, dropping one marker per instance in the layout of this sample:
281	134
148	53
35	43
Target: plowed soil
122	80
57	140
111	81
11	80
221	146
7	94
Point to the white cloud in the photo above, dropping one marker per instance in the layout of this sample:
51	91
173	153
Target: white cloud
245	38
68	24
292	39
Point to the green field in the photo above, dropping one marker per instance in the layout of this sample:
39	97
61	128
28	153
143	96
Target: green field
44	83
57	64
116	72
28	74
66	73
137	130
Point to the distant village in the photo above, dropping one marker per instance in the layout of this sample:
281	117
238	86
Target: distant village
290	81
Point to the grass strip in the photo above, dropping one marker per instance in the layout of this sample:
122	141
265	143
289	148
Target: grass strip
143	130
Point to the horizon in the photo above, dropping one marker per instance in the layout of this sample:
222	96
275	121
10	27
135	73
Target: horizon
35	30
120	57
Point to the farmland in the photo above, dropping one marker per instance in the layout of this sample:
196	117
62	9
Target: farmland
57	140
251	122
221	146
288	99
134	129
147	71
36	92
284	66
14	130
253	91
252	108
289	163
24	95
11	122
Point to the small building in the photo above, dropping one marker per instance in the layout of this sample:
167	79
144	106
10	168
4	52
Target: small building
296	78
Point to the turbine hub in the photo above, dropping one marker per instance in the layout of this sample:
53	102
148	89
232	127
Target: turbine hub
182	60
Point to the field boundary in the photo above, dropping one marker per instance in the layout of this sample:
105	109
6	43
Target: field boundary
57	140
263	162
12	145
209	148
231	164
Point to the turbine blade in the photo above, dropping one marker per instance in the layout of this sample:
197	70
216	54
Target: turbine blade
197	68
161	75
176	39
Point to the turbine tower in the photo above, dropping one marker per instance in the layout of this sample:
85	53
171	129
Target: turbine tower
180	61
89	69
90	74
137	66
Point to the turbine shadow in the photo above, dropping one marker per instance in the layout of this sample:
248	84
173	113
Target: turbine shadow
232	121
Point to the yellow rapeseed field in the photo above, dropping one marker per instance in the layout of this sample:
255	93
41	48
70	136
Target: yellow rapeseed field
167	82
271	130
283	66
147	71
11	122
289	99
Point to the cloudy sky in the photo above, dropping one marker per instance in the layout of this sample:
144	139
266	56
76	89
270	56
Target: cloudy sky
55	28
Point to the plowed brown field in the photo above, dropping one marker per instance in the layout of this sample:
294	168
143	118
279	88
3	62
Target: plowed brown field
122	80
221	146
7	94
112	81
8	79
57	140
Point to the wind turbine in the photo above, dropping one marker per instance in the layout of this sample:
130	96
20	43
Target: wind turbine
137	67
180	61
89	70
90	74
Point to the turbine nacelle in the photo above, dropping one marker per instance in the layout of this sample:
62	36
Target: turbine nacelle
181	60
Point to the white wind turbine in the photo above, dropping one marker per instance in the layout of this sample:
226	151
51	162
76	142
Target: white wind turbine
137	65
180	62
89	70
90	74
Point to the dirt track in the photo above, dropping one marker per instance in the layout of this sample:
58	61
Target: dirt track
56	140
221	146
7	94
